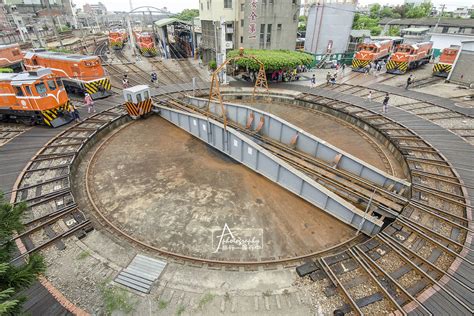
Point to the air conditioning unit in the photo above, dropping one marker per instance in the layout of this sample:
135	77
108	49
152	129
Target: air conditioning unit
229	45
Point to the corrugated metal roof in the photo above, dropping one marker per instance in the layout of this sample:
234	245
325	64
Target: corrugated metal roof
429	22
168	21
360	33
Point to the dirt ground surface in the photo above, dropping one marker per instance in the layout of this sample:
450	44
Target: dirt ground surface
169	189
336	132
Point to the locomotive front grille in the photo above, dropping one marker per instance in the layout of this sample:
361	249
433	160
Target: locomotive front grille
93	86
357	63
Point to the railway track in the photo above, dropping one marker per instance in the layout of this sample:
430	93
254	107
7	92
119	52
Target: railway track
445	118
428	233
45	187
10	131
419	249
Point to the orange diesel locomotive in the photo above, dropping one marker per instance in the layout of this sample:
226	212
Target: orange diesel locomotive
370	52
34	97
116	40
409	56
145	44
80	73
11	57
445	63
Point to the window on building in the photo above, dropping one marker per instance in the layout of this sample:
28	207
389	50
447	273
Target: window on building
228	37
202	7
279	27
445	29
241	23
294	2
227	4
19	92
40	88
242	7
208	5
264	2
270	1
241	39
462	30
269	34
262	35
295	17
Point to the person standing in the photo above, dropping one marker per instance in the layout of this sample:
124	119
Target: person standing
74	113
313	81
409	82
385	103
89	103
369	97
328	78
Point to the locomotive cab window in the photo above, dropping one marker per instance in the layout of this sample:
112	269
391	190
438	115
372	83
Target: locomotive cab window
59	82
51	85
19	92
146	95
40	88
139	98
28	90
129	97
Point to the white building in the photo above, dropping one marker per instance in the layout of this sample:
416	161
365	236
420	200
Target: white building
461	12
444	40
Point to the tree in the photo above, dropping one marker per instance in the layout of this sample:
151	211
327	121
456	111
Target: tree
393	31
13	279
374	11
187	14
362	22
419	11
386	12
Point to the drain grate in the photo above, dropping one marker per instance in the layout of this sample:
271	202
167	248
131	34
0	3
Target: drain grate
141	273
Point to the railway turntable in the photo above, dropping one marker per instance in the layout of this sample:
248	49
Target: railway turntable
231	240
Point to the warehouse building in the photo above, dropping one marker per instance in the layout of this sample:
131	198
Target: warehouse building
463	67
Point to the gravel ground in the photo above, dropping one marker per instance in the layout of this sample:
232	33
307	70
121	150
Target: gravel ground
321	304
383	307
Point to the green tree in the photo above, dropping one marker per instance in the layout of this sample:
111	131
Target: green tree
362	22
393	31
187	14
419	11
13	279
375	10
386	12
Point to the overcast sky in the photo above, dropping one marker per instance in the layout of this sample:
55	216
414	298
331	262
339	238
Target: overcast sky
179	5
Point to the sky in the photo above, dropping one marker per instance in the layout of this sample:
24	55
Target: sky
178	5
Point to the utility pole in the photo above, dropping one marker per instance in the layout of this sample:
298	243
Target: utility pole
55	29
132	39
439	17
223	50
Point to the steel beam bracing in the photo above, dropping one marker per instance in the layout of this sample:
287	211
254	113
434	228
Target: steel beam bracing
284	132
252	155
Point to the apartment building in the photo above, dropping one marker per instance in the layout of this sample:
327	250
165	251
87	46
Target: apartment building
252	24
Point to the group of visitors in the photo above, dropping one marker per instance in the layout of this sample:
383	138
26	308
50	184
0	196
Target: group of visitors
374	67
288	75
